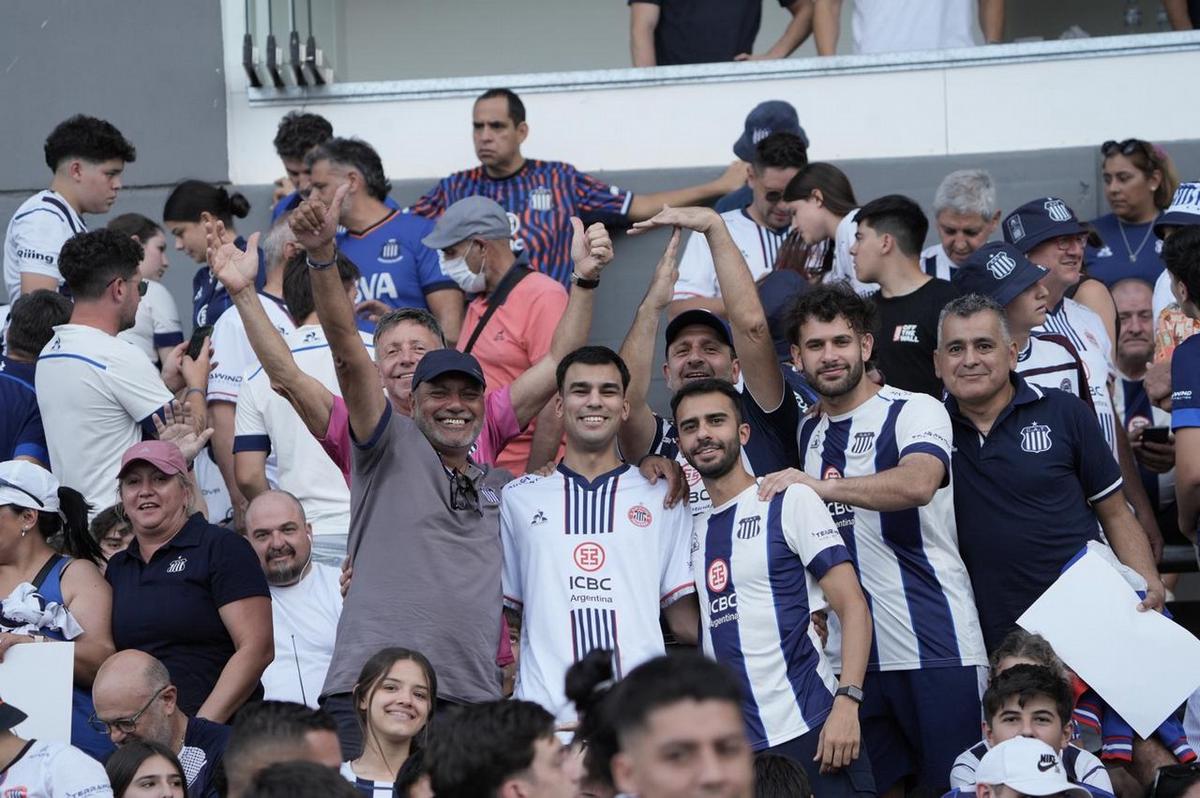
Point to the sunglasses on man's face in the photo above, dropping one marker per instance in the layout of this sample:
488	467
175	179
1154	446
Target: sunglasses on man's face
142	285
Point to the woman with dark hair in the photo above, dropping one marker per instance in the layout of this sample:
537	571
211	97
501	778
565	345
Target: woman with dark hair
1139	181
53	596
156	329
394	698
112	533
190	205
588	683
145	769
823	210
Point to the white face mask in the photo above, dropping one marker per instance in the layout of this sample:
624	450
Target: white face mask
458	271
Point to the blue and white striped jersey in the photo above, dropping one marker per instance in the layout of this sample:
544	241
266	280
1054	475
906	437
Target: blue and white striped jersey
759	246
1049	360
908	560
756	565
589	563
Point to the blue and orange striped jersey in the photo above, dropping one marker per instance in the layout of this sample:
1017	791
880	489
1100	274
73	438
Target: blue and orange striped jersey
540	197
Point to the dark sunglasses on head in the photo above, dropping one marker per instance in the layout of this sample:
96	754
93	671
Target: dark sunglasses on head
1126	147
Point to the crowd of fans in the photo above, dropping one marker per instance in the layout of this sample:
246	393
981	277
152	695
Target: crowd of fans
386	523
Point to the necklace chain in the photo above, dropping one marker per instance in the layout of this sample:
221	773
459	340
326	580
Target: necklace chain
1133	253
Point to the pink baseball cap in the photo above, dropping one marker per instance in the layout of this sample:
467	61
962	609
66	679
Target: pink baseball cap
163	455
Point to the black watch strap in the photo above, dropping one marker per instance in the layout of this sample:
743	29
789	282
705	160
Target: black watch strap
583	282
853	692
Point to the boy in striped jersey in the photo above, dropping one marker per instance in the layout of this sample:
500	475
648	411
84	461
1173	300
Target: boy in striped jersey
760	563
590	554
880	459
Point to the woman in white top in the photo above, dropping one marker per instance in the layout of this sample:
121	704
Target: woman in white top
394	698
823	208
156	329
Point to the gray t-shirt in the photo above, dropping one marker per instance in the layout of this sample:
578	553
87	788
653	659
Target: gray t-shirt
426	577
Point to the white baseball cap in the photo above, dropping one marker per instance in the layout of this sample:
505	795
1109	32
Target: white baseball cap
27	485
1028	766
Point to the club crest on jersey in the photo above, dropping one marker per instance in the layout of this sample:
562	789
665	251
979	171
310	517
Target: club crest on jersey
691	475
640	516
748	528
540	199
589	557
1035	438
862	443
831	472
1016	230
718	575
177	565
1065	385
1057	210
390	251
1001	265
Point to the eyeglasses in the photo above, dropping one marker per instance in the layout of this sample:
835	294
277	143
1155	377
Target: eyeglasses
1186	773
463	495
141	286
4	483
773	197
1127	147
123	725
1064	243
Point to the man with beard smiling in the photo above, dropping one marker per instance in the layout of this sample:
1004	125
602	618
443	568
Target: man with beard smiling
880	459
759	562
423	515
305	601
608	552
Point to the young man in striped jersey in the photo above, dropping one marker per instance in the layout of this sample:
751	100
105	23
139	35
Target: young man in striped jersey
880	459
760	562
590	553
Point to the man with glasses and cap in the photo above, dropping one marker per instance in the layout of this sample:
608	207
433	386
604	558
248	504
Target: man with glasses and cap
424	530
765	119
45	768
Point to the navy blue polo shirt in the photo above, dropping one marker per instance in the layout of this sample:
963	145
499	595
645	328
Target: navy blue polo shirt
204	745
168	607
1023	497
21	432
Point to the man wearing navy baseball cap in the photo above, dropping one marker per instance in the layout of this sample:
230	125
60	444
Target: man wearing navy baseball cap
1003	273
765	119
1184	211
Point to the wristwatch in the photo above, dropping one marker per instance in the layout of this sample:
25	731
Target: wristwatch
853	692
320	265
583	282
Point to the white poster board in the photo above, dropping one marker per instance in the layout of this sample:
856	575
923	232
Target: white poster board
36	678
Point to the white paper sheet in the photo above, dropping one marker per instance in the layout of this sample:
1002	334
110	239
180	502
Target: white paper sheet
1142	664
36	678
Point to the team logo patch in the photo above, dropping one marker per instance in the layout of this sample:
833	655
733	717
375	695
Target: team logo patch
589	557
749	528
759	133
390	251
539	518
1065	385
691	475
1001	265
1035	438
311	336
1057	210
639	516
718	575
1106	251
831	472
540	199
1016	230
177	565
862	442
1137	422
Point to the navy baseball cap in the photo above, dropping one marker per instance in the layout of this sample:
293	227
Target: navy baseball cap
772	116
997	270
700	316
1040	220
1184	210
447	361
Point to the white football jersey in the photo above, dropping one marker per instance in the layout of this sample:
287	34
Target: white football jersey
49	769
759	245
590	564
232	351
35	235
1049	361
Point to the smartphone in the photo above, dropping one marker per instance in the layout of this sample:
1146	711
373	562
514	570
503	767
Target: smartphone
198	336
1156	434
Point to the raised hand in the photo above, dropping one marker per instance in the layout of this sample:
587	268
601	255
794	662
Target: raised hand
178	427
235	269
591	249
666	273
315	224
694	218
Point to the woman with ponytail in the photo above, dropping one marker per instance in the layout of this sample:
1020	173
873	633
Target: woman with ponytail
188	207
823	211
54	595
588	683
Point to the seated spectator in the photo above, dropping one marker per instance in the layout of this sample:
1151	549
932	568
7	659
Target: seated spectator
1022	766
665	32
136	702
823	212
776	776
305	600
772	116
144	768
45	768
499	748
395	697
276	732
31	324
53	596
1139	181
964	216
156	329
297	134
112	533
881	26
758	228
300	780
169	572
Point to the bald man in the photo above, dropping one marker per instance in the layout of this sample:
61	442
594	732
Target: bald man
306	603
134	697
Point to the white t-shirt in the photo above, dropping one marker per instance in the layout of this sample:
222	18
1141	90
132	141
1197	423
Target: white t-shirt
886	26
157	322
54	770
759	245
267	422
35	235
305	616
843	261
94	391
232	350
590	564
